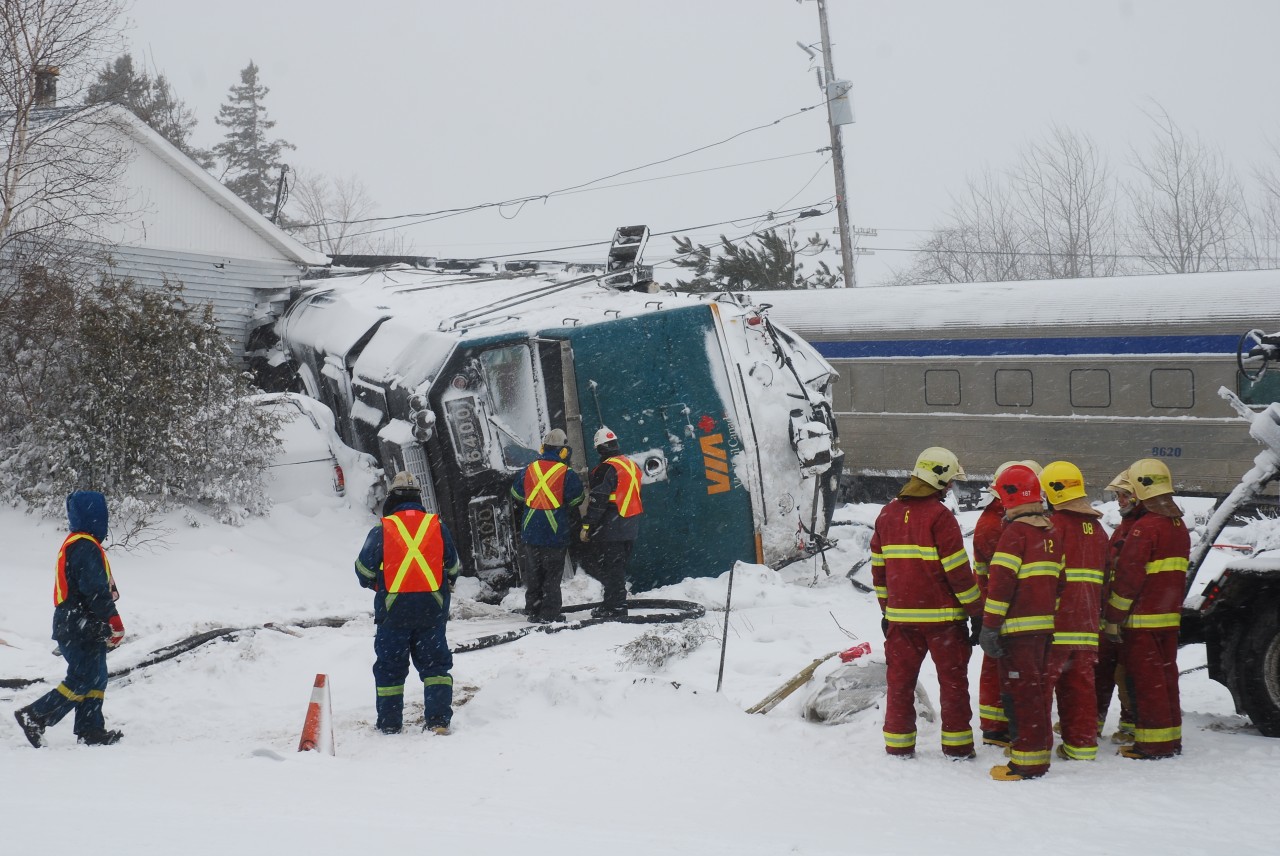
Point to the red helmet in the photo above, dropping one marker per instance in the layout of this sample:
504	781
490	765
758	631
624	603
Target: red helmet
1018	485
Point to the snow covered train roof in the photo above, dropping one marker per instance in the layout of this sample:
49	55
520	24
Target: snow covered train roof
1225	303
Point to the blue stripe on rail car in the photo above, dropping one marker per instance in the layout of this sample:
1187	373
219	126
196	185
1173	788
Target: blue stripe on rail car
1063	345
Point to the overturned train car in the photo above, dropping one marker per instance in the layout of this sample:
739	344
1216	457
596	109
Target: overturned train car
456	377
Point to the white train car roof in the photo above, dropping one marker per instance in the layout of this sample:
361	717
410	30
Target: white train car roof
1218	304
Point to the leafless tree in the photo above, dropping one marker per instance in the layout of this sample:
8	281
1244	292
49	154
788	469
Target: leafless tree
1264	218
1065	196
326	213
982	240
1187	205
60	169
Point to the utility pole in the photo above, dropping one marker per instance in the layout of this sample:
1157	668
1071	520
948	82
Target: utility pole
837	150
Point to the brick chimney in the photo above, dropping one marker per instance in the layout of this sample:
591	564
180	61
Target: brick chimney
46	86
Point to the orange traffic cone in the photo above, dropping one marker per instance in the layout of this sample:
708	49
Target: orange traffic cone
317	729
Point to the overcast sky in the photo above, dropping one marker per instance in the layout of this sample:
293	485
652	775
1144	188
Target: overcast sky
436	105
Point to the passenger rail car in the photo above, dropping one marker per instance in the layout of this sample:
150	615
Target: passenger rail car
456	377
1101	372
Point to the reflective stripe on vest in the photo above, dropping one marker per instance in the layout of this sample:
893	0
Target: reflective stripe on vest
60	573
412	552
544	484
628	486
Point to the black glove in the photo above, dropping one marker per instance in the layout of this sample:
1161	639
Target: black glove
975	630
884	626
989	639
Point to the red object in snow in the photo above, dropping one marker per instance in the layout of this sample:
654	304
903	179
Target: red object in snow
855	652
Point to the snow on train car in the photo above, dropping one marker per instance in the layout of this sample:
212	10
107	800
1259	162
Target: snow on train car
456	377
1098	371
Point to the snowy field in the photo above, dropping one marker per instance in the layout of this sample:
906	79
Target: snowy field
564	748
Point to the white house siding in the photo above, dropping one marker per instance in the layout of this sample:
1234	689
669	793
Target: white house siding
239	290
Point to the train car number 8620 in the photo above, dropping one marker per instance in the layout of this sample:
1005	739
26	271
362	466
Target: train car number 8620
1166	451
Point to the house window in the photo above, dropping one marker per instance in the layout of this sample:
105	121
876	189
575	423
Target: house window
1013	387
1173	388
1090	388
942	387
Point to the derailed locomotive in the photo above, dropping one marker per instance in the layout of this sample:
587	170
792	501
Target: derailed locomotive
455	377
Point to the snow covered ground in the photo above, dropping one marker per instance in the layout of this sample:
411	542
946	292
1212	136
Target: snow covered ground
564	748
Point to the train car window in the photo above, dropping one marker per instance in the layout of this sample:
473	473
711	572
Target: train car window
1013	388
512	389
1090	388
942	387
1261	392
1173	388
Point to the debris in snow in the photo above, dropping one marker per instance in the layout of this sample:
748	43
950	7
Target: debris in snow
653	649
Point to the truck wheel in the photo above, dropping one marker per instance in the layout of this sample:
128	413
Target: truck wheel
1260	674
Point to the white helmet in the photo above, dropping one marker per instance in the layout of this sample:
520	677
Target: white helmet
605	436
937	466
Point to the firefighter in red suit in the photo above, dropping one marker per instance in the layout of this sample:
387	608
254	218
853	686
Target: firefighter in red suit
1073	654
926	591
1017	625
986	534
1144	610
1109	675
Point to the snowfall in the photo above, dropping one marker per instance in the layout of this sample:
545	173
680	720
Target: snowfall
562	743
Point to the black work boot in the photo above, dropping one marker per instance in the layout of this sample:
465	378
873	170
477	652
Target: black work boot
100	737
31	727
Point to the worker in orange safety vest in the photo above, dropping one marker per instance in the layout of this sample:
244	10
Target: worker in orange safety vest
548	493
612	523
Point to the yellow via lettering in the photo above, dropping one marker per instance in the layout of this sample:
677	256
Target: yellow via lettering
716	461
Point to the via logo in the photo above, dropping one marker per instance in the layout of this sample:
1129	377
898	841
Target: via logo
716	461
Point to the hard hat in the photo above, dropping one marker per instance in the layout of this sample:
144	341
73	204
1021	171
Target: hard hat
555	437
1033	466
1150	477
1062	481
937	466
1121	483
605	436
404	480
1018	485
992	487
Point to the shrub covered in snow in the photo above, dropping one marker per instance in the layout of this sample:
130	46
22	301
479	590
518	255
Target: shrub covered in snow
130	391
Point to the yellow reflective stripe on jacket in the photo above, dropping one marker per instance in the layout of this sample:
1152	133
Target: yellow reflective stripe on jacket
924	616
955	560
1026	624
877	560
991	712
1160	566
1157	735
969	595
996	607
1066	637
1007	560
1084	575
909	551
1039	569
957	738
542	482
882	592
1159	621
1121	603
980	568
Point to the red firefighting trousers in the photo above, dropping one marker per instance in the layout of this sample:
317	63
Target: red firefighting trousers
904	649
1108	677
1026	701
1151	664
1071	673
990	706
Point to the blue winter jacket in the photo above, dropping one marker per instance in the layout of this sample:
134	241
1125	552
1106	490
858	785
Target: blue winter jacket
408	608
546	527
83	616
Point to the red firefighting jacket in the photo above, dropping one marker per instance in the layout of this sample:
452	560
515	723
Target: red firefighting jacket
1085	548
986	535
1025	580
1150	575
919	564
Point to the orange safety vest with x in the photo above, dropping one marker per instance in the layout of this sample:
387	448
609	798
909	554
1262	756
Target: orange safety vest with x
544	484
412	552
60	576
627	495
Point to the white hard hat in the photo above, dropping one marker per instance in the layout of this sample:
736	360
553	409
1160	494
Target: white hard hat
605	436
404	480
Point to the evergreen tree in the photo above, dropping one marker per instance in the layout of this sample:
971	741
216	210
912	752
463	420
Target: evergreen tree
152	101
139	396
773	263
253	161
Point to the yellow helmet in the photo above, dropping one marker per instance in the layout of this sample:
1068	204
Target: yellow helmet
1121	483
1150	477
937	466
1062	482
